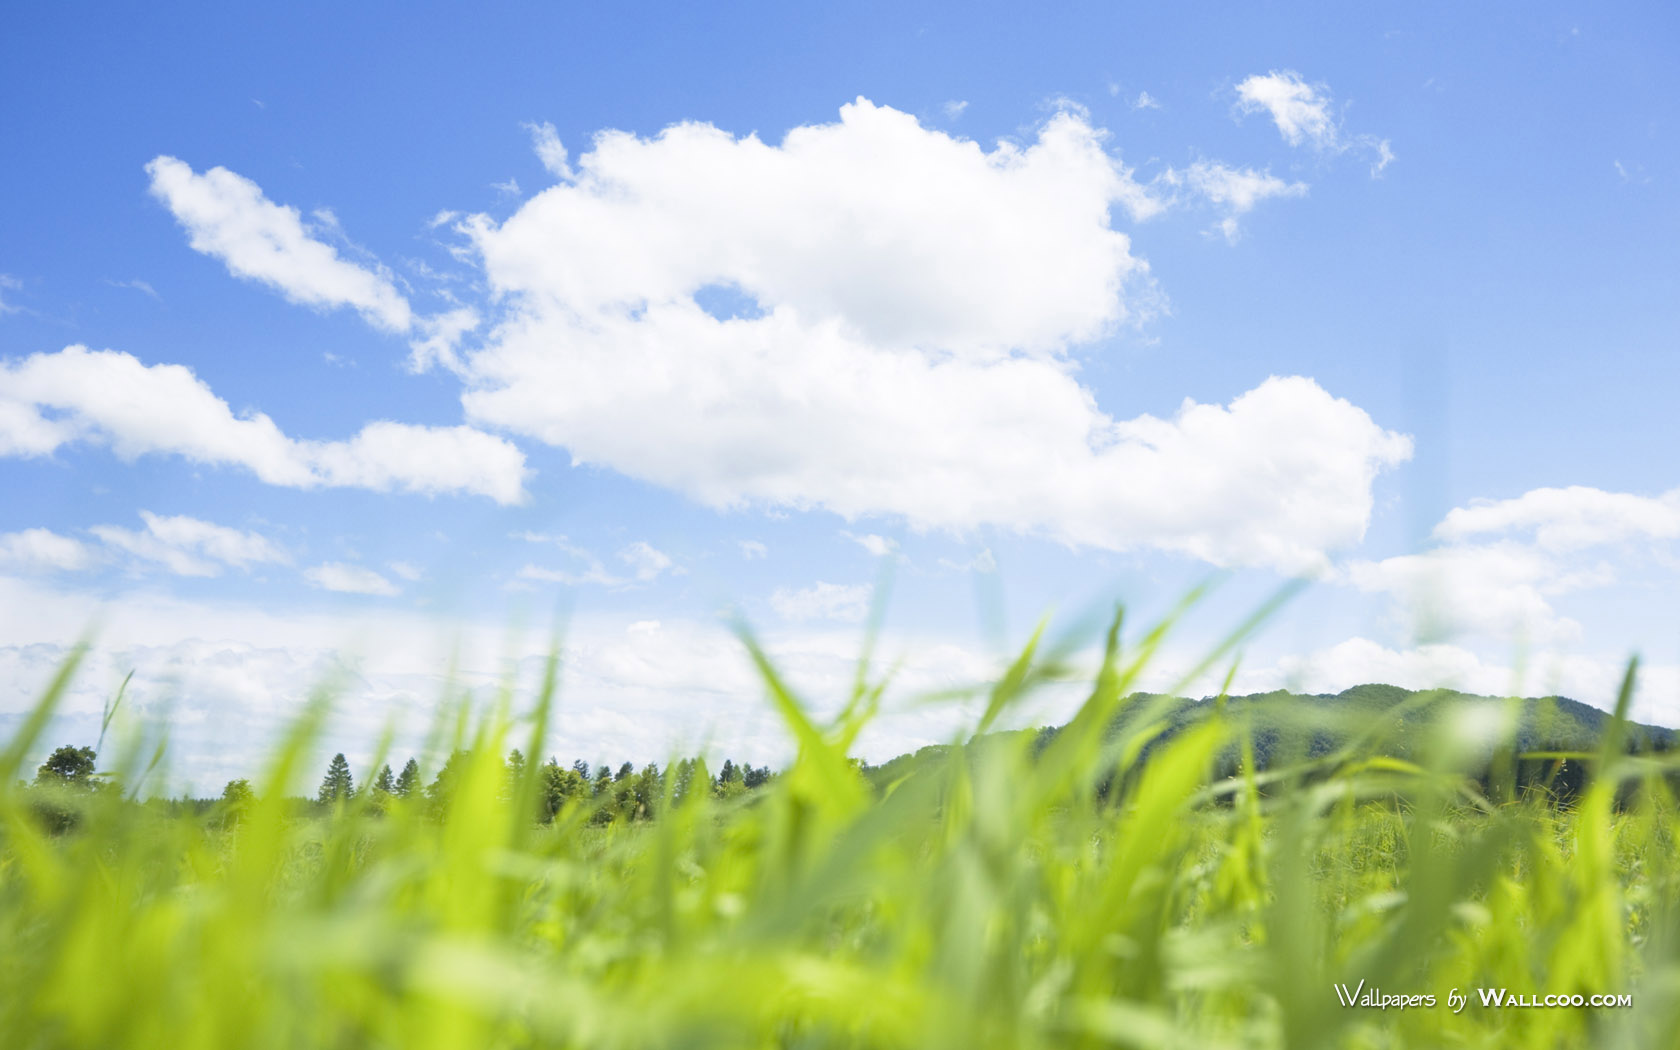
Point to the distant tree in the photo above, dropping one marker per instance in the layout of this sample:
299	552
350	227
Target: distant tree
729	781
581	768
337	785
237	798
512	770
385	783
756	777
646	792
408	780
603	778
559	786
624	772
69	766
682	779
442	789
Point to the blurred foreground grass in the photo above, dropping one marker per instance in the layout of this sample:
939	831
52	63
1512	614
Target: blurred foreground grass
1097	887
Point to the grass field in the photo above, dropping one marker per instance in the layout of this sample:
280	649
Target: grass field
991	895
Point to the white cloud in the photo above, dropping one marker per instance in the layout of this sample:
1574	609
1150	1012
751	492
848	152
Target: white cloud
110	398
440	336
954	108
918	297
8	283
227	216
982	562
138	286
1568	519
229	677
1146	101
901	234
1303	115
546	142
1503	563
752	550
38	550
645	562
877	545
406	571
1499	591
350	579
848	603
1300	110
190	547
1234	190
509	188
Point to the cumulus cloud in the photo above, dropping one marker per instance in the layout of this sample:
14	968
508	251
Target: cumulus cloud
1302	113
350	579
1568	519
227	216
917	299
1146	101
1502	564
848	603
190	547
111	398
901	233
752	550
42	550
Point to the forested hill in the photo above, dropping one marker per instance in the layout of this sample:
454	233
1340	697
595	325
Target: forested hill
1402	717
1393	721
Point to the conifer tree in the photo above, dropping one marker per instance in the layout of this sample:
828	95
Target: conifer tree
408	779
337	785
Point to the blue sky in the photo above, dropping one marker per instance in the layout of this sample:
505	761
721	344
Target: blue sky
372	339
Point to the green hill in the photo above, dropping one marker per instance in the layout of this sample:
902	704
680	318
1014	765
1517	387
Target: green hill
1383	719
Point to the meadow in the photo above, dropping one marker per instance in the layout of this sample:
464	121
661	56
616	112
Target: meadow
1138	879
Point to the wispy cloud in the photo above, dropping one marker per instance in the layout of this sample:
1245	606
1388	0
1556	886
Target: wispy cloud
8	283
1304	116
190	547
848	603
137	285
350	579
546	142
643	563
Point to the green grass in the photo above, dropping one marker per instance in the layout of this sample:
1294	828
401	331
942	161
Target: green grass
989	895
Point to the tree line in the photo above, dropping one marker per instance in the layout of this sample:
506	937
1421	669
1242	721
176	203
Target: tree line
628	794
624	795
